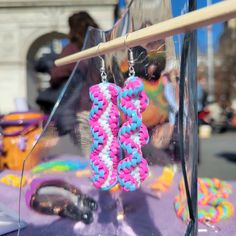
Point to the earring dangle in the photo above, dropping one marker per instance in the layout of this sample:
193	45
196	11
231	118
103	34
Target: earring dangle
132	101
104	121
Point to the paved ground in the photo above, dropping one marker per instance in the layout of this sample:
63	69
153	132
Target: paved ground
218	156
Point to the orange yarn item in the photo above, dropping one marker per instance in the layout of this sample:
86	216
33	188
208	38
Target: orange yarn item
20	132
164	182
157	104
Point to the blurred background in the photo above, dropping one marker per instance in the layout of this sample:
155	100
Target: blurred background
33	34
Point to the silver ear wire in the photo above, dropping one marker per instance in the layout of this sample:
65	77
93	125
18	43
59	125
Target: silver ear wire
102	68
131	63
214	228
130	58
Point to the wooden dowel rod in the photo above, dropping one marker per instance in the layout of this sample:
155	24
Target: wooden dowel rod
215	13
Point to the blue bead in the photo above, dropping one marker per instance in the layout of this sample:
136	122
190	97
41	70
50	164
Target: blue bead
95	168
130	112
95	178
129	149
122	183
123	165
95	135
132	188
102	173
100	139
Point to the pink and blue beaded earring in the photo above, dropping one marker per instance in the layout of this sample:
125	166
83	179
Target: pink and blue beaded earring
104	120
132	101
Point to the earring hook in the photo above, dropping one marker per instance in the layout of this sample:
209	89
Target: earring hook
102	68
125	39
131	63
130	58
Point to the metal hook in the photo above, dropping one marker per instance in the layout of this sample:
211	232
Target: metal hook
102	68
130	58
131	63
125	39
214	228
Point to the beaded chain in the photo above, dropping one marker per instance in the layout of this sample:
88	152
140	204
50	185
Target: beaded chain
133	169
212	194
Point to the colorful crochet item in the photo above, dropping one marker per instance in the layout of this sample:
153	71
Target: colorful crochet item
104	122
157	103
164	182
170	91
83	173
133	134
210	189
212	194
60	166
1	145
115	189
13	180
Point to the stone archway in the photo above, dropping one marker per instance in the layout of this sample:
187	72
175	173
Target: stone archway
22	23
36	81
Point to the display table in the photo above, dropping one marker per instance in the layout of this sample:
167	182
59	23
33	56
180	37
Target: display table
145	213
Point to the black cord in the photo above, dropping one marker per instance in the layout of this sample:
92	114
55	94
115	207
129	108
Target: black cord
183	65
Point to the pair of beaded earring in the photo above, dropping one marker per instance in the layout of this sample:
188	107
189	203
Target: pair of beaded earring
116	155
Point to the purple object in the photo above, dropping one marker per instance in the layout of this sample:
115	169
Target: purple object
170	95
26	124
146	214
37	137
21	131
32	189
22	143
60	198
34	185
1	145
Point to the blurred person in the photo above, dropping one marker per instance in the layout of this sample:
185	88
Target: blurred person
200	97
201	93
78	25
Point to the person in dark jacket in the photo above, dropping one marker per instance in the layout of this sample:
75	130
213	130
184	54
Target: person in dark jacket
78	25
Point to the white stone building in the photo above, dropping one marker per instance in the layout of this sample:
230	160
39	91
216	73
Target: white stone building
24	25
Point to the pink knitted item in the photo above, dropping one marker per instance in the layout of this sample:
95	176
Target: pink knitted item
133	134
104	122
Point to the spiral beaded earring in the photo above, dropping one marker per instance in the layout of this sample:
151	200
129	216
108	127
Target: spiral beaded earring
104	121
132	101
